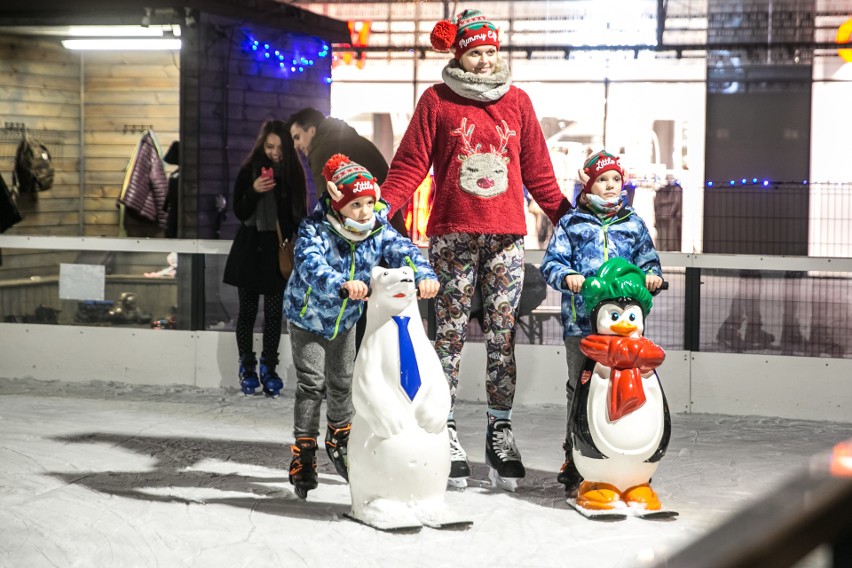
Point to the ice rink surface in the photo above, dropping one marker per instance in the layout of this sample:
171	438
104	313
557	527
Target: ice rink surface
112	475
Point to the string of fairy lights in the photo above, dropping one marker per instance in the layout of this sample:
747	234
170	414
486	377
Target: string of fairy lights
292	60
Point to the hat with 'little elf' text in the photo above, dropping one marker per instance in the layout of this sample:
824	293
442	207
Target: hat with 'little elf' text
348	181
599	163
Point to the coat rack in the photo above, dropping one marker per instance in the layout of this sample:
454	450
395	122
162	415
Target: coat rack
12	133
136	128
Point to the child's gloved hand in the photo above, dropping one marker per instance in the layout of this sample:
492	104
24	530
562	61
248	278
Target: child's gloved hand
574	282
357	290
428	288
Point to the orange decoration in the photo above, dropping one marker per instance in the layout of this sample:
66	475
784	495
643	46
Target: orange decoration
844	35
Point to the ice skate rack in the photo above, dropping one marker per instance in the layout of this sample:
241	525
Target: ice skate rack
786	524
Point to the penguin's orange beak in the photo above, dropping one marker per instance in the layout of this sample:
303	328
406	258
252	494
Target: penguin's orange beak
623	328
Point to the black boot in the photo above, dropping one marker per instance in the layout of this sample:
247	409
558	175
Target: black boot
336	445
272	383
303	466
248	374
568	474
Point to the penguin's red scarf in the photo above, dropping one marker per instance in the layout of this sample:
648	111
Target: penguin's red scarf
629	358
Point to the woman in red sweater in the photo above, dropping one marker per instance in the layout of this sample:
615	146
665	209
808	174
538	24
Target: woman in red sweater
482	137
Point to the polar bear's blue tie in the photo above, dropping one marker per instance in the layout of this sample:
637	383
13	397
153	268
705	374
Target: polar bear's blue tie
409	373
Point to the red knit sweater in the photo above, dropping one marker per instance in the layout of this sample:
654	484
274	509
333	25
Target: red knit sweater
484	154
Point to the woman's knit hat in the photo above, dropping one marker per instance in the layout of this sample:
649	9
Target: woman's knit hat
347	181
470	29
599	163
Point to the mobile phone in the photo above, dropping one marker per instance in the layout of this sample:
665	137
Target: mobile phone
266	172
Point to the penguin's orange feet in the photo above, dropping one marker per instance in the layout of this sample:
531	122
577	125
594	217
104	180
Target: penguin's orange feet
598	496
643	496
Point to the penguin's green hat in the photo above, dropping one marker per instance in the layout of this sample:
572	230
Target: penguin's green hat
616	279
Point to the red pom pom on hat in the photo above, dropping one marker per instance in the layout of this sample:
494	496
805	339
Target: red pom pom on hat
332	164
443	35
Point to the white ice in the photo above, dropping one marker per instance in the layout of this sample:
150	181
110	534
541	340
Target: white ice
114	475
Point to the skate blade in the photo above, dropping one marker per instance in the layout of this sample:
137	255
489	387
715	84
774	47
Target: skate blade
504	483
301	492
457	482
607	515
660	514
401	528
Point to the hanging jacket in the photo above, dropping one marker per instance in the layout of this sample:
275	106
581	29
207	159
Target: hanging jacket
145	186
325	260
581	243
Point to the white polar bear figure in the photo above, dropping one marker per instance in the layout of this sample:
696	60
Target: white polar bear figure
399	454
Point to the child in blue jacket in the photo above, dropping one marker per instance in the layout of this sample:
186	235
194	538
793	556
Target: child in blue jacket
336	248
602	226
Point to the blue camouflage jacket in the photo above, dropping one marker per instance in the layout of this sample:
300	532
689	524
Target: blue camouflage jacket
325	259
581	243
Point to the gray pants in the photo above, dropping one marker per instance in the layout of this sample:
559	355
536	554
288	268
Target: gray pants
323	367
576	361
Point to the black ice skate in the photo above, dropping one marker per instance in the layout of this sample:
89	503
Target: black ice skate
459	468
568	474
248	376
303	466
272	383
502	456
336	442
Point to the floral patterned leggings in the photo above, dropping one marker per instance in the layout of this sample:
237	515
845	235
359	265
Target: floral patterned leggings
494	263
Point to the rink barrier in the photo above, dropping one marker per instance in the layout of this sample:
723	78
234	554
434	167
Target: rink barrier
756	384
784	525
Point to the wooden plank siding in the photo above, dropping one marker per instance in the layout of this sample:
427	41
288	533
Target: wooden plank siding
120	89
52	90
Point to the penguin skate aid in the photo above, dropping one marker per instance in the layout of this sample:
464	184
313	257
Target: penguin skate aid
620	425
336	247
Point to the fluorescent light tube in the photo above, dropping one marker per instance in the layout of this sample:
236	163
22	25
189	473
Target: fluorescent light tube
119	44
115	31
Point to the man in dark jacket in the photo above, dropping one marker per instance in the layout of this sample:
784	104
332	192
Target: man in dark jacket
320	137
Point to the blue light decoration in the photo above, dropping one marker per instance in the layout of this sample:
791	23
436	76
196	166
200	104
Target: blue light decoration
300	54
745	182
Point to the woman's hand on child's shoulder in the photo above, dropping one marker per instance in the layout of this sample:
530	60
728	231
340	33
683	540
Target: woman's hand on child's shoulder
653	282
574	282
428	288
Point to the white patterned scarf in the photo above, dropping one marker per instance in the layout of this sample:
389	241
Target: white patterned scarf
474	86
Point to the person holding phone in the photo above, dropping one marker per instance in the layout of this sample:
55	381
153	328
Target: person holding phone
269	191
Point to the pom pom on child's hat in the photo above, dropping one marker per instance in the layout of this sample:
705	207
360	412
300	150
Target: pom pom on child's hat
347	181
599	163
470	29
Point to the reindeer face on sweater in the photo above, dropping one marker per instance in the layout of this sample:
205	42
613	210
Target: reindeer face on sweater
483	174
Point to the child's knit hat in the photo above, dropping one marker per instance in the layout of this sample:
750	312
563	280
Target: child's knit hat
470	29
347	181
599	163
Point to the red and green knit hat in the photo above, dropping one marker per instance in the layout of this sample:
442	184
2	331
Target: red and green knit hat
347	181
470	29
599	163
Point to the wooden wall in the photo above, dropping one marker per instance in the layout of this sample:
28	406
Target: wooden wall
53	92
123	91
40	88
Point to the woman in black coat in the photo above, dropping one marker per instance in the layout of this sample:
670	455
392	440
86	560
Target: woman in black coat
269	190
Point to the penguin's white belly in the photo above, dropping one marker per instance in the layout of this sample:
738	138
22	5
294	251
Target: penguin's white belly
627	442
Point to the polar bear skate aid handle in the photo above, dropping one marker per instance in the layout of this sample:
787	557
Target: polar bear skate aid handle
344	293
663	286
